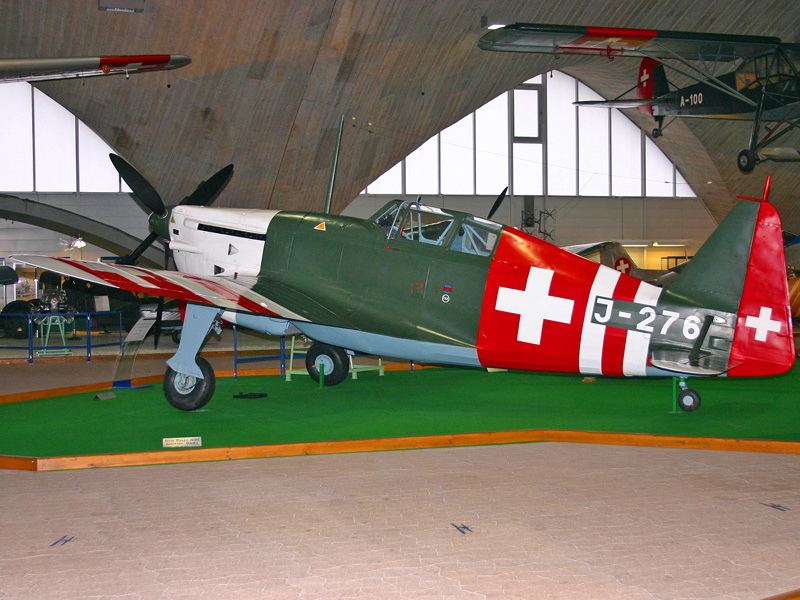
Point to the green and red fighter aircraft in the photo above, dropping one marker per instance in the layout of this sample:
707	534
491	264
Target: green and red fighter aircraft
761	81
443	286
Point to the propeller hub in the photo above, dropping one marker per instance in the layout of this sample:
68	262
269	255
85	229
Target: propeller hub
160	223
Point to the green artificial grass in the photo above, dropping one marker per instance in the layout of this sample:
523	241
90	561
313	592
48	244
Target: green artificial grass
402	403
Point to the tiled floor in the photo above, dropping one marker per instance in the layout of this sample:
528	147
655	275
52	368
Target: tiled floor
543	520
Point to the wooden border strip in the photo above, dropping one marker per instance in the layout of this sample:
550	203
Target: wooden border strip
792	595
19	463
160	457
153	379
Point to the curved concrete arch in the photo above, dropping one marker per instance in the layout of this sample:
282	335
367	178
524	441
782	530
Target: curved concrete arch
72	224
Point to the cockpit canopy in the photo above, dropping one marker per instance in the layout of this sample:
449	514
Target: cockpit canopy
770	69
415	222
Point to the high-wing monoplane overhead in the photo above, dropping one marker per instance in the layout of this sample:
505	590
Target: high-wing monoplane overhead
41	69
443	286
746	77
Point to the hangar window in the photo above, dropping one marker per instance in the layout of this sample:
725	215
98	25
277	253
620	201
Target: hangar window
535	140
45	148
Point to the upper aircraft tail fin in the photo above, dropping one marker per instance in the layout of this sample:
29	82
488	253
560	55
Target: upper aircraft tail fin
741	270
652	83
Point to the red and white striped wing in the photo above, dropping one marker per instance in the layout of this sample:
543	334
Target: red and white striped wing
199	289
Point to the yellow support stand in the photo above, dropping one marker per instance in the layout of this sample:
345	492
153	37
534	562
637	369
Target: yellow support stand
356	369
291	371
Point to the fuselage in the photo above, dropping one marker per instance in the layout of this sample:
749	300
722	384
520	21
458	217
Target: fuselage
780	91
446	286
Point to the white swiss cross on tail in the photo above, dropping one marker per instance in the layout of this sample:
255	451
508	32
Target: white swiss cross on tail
534	305
763	324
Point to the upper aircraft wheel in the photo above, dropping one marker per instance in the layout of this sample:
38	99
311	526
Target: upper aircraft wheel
657	132
688	400
331	359
187	392
746	161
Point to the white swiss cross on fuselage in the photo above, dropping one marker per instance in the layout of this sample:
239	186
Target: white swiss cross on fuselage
623	265
534	305
763	323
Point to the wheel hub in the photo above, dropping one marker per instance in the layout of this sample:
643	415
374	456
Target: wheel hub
184	384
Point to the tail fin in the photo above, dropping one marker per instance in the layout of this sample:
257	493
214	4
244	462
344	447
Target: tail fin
741	270
652	83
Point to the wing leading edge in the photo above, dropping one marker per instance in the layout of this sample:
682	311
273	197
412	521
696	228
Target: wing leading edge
616	41
213	291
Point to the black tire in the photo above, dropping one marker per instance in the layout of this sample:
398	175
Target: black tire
176	336
746	161
186	392
689	400
332	358
17	327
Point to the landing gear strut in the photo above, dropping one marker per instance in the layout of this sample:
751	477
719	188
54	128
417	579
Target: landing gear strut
189	381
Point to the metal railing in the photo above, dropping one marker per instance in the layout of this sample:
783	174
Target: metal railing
43	323
236	360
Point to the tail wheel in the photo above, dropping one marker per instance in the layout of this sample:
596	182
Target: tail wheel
187	392
331	359
688	400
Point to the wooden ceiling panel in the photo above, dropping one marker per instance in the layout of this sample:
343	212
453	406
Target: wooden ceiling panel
270	79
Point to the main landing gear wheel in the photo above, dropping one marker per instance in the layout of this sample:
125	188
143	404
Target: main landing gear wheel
187	392
688	400
331	359
746	161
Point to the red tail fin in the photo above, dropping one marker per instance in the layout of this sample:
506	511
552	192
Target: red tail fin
763	343
644	90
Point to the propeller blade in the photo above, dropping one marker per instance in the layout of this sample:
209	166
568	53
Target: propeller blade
131	258
146	193
208	190
497	203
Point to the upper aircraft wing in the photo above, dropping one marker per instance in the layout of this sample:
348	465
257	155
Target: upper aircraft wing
41	69
614	41
214	291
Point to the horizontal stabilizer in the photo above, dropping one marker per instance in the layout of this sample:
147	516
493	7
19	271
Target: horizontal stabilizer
680	362
619	103
779	154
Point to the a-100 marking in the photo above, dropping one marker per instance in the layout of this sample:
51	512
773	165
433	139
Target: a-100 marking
692	99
